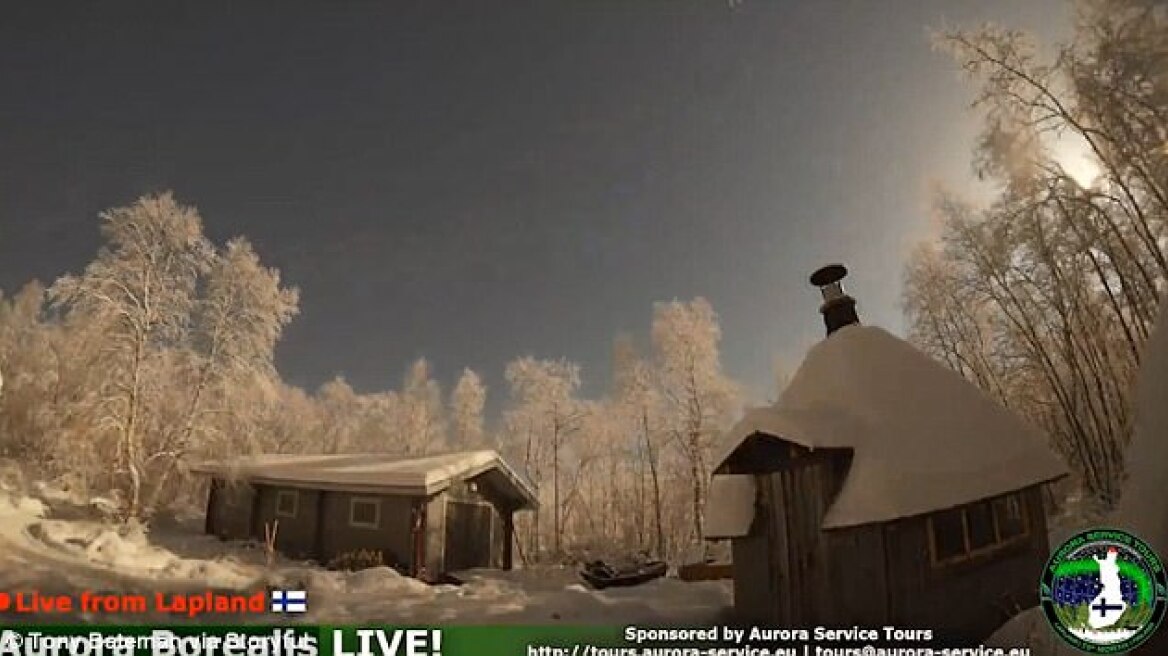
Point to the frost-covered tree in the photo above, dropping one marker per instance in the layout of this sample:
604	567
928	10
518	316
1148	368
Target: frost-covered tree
289	423
142	290
340	411
1045	296
467	402
237	321
699	396
177	338
422	420
544	414
637	399
28	353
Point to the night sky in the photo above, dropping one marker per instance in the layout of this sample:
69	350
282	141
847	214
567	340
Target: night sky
473	181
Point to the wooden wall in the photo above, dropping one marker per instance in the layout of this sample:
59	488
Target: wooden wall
798	575
790	572
467	532
857	578
229	509
435	534
321	529
393	537
296	536
967	599
755	584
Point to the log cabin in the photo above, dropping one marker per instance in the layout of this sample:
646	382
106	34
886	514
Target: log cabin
882	489
425	516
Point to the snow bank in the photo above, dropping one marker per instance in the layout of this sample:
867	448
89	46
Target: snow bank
734	496
19	508
1031	629
382	580
1142	509
127	550
12	478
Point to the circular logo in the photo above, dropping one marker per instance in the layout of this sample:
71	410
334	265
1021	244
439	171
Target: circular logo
1104	591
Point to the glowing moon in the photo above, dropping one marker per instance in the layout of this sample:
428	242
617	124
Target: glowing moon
1074	156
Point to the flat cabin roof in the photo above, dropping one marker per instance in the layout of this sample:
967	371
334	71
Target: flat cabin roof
377	473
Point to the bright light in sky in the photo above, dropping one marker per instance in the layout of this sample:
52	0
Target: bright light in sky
1073	154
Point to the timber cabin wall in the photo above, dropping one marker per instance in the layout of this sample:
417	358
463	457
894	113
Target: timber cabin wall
974	596
229	509
859	576
392	536
296	535
465	526
797	497
784	572
753	582
320	527
435	533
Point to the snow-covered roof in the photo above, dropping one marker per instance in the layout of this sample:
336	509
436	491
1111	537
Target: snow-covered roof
377	472
923	438
735	495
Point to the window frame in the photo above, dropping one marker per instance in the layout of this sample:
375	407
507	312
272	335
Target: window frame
373	501
999	543
294	495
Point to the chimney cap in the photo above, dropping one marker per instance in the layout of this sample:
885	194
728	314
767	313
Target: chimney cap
829	274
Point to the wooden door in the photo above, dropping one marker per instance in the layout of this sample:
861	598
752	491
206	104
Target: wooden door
468	535
799	496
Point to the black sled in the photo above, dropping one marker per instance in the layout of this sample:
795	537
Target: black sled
601	575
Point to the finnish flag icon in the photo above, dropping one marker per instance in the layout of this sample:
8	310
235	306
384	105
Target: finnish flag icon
289	601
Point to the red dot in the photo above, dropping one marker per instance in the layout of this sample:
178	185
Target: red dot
4	601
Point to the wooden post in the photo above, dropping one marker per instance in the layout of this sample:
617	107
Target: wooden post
418	515
509	538
212	501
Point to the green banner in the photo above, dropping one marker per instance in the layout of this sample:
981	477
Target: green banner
509	640
300	640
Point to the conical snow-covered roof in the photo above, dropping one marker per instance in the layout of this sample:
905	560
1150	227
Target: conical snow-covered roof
924	438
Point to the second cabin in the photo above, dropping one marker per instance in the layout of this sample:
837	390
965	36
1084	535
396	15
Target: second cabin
425	516
882	489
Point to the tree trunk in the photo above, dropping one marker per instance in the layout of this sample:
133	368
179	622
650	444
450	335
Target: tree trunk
659	524
556	486
130	445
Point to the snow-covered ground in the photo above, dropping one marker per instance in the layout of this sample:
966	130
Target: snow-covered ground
52	544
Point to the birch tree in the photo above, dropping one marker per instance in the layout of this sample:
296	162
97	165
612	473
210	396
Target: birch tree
700	398
1045	296
467	402
545	413
340	410
238	321
638	400
422	418
27	354
141	289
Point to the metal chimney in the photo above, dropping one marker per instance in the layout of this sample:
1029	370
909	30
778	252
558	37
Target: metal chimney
838	308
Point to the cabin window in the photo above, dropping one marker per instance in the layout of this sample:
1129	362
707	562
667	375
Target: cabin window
948	532
980	520
960	534
287	503
1011	520
365	513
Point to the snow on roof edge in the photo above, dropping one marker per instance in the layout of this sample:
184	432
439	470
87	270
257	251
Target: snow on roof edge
430	475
